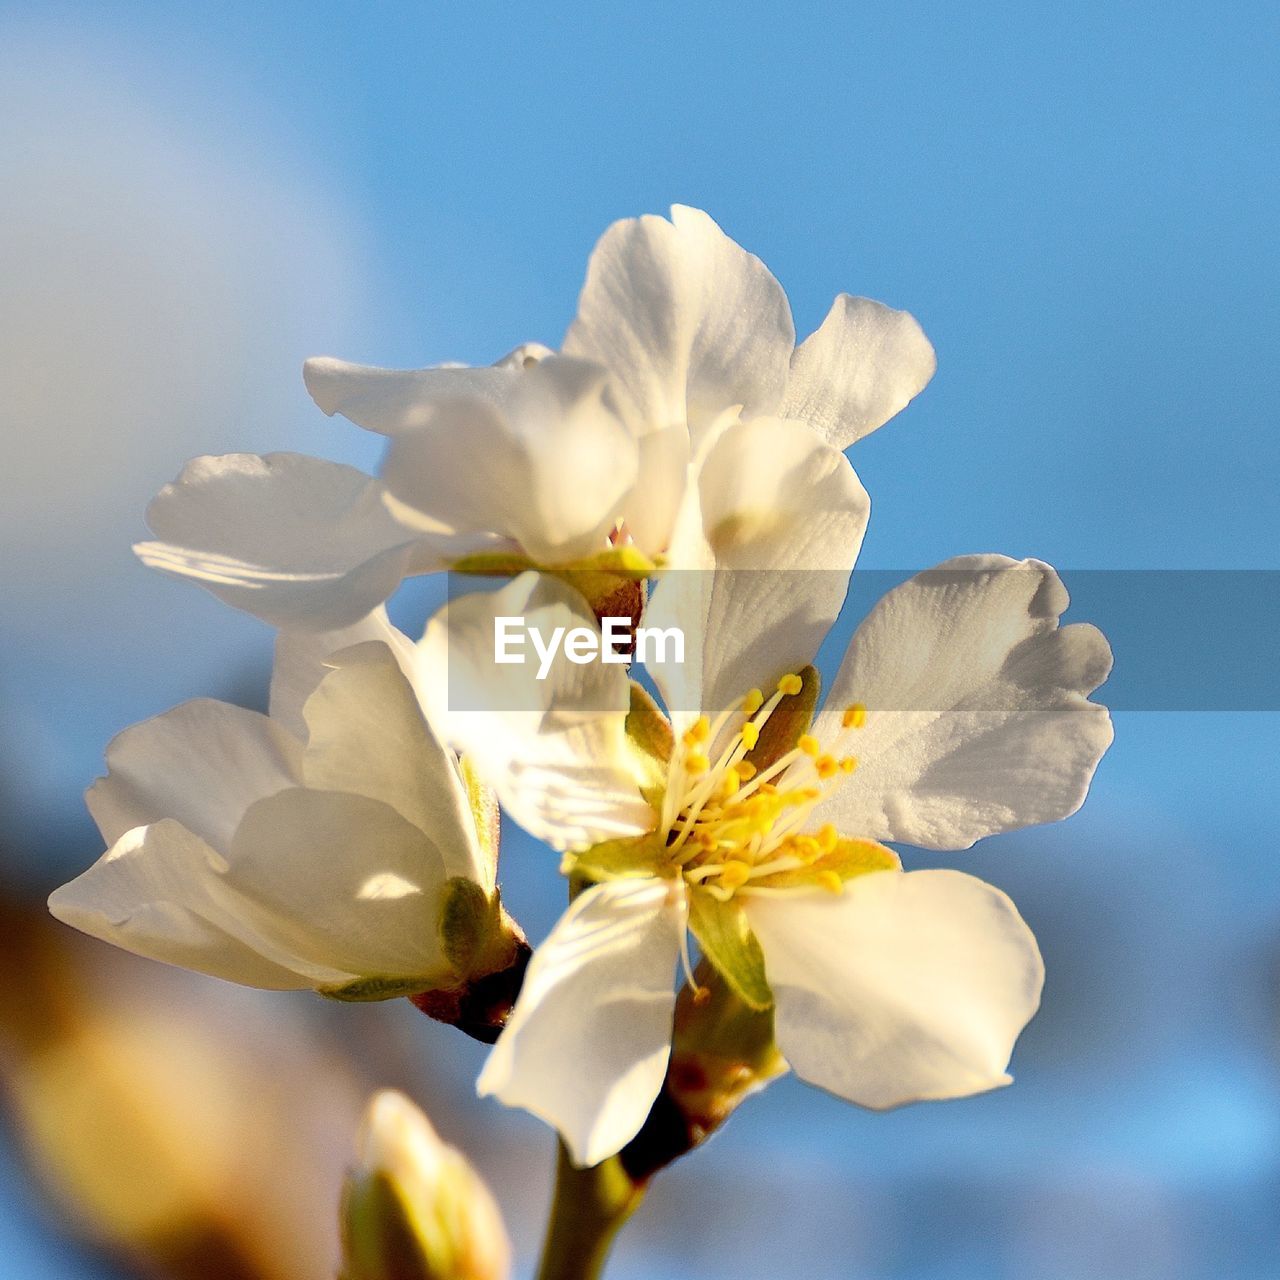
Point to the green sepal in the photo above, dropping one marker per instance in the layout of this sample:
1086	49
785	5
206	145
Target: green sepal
622	562
365	990
850	858
727	941
483	802
471	927
493	564
649	733
712	1021
790	719
628	858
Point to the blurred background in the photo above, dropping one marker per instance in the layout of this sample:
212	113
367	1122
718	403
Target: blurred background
1079	202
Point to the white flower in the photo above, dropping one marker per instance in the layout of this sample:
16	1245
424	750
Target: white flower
960	710
535	467
683	348
414	1206
313	848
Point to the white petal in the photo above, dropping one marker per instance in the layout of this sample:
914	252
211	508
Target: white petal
903	988
547	469
662	467
782	520
554	750
303	659
342	883
978	719
203	763
158	893
687	322
587	1044
390	401
368	736
294	540
865	363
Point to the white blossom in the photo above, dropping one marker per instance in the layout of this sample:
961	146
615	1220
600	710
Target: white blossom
682	358
313	847
960	710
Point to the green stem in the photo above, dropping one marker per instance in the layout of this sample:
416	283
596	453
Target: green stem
589	1209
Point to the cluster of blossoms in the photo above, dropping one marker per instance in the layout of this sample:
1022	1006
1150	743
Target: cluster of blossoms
679	458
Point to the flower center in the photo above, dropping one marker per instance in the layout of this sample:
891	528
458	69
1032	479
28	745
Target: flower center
727	822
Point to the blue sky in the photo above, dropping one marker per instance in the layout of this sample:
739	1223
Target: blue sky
1079	202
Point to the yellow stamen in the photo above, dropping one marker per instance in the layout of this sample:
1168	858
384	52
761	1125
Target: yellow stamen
828	837
854	717
790	684
848	764
735	875
745	770
807	847
752	702
698	732
808	744
750	735
829	881
696	763
827	766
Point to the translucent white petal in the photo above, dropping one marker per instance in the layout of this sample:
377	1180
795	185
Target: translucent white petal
340	882
978	718
304	658
296	541
904	987
554	749
368	735
203	763
158	893
587	1044
782	519
547	468
687	322
390	401
865	363
650	509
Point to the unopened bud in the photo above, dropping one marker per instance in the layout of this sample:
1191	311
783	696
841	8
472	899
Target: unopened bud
414	1208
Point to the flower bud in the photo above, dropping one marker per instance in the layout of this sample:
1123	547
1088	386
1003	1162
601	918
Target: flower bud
413	1208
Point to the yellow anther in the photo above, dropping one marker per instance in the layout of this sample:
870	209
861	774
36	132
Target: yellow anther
790	685
829	881
753	702
730	783
807	847
828	837
745	770
854	717
696	763
827	766
808	744
848	764
705	841
750	735
699	731
735	875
